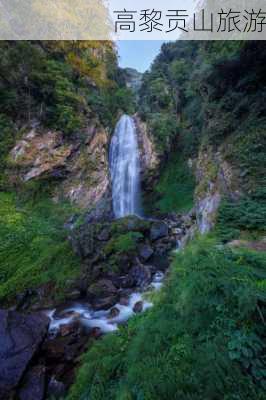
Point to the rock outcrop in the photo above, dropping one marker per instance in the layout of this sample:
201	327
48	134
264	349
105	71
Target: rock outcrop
20	337
215	178
149	158
77	166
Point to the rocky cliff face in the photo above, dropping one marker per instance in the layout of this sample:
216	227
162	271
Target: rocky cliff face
149	158
79	167
216	177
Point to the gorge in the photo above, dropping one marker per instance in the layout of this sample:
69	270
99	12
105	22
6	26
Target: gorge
105	174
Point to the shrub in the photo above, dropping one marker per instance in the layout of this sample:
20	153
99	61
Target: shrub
126	243
248	214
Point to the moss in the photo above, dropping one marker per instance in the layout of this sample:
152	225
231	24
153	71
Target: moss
125	243
133	224
34	249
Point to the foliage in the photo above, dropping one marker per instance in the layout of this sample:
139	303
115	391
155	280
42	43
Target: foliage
125	243
202	340
61	84
34	249
247	214
7	139
205	89
175	189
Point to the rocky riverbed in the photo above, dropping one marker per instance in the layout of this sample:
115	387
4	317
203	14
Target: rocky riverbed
42	341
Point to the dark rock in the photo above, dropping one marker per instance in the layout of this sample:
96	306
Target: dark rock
138	307
145	252
159	230
71	328
104	235
73	295
114	312
56	389
61	312
102	288
33	386
124	300
20	338
61	350
103	210
96	333
82	240
141	275
104	303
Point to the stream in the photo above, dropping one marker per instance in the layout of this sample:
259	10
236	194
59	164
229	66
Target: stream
103	319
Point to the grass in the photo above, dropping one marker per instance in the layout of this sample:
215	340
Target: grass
34	249
203	339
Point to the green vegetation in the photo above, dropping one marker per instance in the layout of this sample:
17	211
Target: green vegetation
61	84
174	191
199	94
244	216
126	243
34	249
202	340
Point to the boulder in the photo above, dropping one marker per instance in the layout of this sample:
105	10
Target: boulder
104	303
33	387
103	288
145	252
20	338
114	312
141	275
138	307
159	230
72	328
124	301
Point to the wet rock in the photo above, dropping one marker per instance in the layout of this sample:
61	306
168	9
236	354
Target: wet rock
56	389
114	312
103	288
141	275
145	252
74	295
20	338
62	313
33	386
124	301
159	230
70	328
207	210
96	333
138	307
104	303
64	349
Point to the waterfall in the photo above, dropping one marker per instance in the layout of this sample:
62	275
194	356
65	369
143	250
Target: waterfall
124	167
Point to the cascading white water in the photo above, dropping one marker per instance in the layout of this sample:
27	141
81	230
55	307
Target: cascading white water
124	167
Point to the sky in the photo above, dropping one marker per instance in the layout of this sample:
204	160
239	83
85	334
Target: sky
138	54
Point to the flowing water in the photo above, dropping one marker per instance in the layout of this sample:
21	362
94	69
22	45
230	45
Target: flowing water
125	175
83	312
125	170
